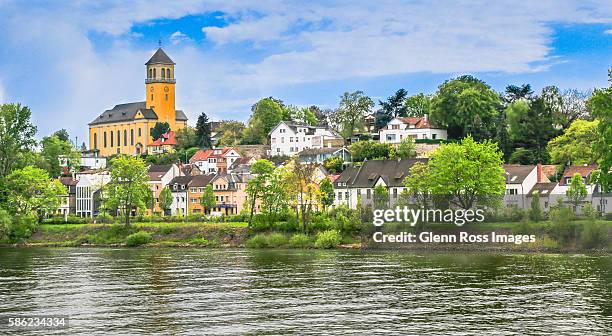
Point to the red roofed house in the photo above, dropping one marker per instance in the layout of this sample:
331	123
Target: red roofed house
216	160
584	171
412	127
165	144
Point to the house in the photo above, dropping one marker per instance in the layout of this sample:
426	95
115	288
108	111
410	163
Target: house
189	169
319	155
90	160
560	190
230	193
159	177
544	190
585	171
68	201
602	201
197	187
165	144
179	188
216	160
89	191
520	179
400	128
289	138
359	182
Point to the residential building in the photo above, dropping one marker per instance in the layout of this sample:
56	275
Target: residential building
216	160
520	179
89	191
400	128
197	187
584	170
68	201
179	186
126	128
560	190
359	182
90	160
159	177
230	193
544	190
319	155
602	201
165	144
290	138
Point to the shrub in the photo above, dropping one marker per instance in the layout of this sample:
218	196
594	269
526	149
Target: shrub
562	227
594	235
271	240
166	230
200	241
276	240
138	238
328	239
291	225
524	228
589	212
104	218
5	224
321	222
257	241
300	240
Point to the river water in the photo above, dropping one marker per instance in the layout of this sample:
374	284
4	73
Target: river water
279	292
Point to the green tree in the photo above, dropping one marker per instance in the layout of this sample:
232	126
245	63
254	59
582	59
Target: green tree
516	93
207	200
62	135
16	136
601	108
531	129
159	129
465	105
186	137
502	137
267	113
30	191
381	197
203	131
535	211
261	170
327	194
577	191
275	194
406	149
362	150
419	185
575	144
418	105
334	164
353	108
468	173
54	149
165	200
128	188
300	114
230	133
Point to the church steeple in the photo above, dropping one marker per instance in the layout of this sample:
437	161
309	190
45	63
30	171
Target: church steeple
160	83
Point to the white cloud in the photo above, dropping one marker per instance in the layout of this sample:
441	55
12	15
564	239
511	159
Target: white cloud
609	31
177	38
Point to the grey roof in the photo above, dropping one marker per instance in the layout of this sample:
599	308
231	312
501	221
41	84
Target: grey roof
160	57
316	151
201	180
127	112
159	168
392	172
516	174
543	189
180	180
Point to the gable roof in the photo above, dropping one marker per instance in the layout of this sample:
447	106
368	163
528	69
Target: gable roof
516	173
324	150
293	125
543	189
168	139
124	112
392	172
204	154
417	122
584	170
156	172
180	116
160	57
201	180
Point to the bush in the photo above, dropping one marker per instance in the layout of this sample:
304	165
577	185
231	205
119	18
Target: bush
276	240
5	224
562	227
328	239
321	222
166	230
262	241
200	241
300	240
257	241
524	228
291	225
138	238
594	235
16	228
104	218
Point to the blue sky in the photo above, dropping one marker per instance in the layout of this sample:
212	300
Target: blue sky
69	61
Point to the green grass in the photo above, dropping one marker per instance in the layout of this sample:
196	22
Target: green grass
68	227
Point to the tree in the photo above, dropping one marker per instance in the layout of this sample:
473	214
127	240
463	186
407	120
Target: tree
577	191
230	133
468	173
394	106
275	194
207	200
353	108
406	149
566	106
16	136
327	194
261	170
535	211
62	135
267	113
465	105
300	114
203	131
165	200
418	105
516	93
54	149
381	197
186	137
302	186
531	127
502	137
362	150
159	129
30	191
601	107
128	188
575	144
334	164
418	184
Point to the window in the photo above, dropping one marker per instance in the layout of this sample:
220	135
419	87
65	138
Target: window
282	130
290	139
282	140
395	127
140	132
154	75
168	73
104	139
150	73
369	193
125	137
166	97
132	137
118	138
433	136
163	73
112	139
273	140
95	144
151	97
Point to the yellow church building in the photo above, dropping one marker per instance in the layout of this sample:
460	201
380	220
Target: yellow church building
126	128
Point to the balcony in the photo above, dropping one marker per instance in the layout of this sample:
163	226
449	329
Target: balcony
160	80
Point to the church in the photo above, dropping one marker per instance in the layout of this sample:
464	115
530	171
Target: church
126	128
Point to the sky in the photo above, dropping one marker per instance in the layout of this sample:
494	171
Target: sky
71	60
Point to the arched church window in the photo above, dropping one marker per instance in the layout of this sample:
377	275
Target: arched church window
150	73
154	75
95	141
163	73
168	73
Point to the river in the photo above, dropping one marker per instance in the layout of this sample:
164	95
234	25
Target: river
223	292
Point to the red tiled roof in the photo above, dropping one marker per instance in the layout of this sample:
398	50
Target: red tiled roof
165	139
204	154
584	171
418	122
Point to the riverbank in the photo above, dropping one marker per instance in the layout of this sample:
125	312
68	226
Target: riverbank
237	235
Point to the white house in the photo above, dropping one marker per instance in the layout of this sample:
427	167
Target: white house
179	187
217	160
520	179
411	127
88	191
290	138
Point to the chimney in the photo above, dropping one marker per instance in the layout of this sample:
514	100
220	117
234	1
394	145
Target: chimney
539	172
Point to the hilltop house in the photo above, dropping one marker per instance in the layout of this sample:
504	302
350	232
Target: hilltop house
165	144
217	160
411	127
290	138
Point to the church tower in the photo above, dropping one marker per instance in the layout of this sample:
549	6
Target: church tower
160	85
